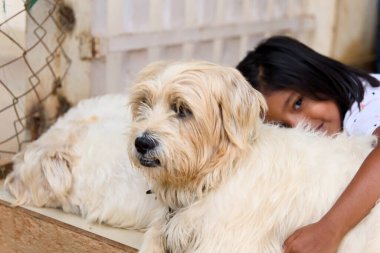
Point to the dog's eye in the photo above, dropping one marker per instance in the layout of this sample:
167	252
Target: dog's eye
181	111
144	100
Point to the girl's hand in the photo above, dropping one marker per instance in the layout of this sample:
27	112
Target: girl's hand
314	238
360	197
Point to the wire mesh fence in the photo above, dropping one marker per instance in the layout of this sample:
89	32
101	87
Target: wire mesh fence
29	71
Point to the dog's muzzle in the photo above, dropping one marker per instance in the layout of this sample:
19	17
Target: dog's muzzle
144	145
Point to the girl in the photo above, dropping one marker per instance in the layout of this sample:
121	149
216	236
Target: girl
301	84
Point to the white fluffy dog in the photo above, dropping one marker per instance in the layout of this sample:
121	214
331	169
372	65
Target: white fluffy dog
230	182
227	181
81	165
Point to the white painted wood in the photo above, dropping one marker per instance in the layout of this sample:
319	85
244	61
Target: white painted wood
134	41
76	84
222	31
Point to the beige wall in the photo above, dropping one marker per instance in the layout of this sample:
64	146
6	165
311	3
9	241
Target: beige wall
345	30
355	34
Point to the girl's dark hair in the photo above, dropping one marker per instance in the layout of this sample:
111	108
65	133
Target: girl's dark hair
281	62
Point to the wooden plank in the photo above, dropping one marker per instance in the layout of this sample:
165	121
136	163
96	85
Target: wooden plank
25	231
133	41
324	12
29	229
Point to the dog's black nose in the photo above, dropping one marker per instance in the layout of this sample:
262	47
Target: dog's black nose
144	144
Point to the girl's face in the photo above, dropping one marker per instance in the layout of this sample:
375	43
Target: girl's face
289	108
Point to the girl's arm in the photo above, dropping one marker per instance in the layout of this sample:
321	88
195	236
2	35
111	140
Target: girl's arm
352	206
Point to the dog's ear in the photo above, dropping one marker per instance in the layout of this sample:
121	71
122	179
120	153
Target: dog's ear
40	179
56	168
15	183
16	187
242	107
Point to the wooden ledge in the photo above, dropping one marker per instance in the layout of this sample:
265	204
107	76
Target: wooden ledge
45	230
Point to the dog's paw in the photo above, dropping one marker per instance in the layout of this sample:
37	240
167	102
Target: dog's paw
153	241
152	248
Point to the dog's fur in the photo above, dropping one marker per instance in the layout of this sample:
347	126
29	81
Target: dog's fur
230	182
81	165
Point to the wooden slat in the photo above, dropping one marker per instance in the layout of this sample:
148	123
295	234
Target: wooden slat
134	41
25	231
29	229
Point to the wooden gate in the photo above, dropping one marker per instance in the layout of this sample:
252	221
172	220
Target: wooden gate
131	33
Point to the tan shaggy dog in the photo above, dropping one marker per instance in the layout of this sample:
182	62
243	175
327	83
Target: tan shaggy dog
231	183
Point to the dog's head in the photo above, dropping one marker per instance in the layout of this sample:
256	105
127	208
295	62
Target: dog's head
190	122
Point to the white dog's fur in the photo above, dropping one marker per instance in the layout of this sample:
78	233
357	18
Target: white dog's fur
81	165
230	182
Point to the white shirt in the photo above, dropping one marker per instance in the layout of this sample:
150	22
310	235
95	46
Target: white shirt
365	120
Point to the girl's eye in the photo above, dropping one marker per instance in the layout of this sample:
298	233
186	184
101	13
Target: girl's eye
297	105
